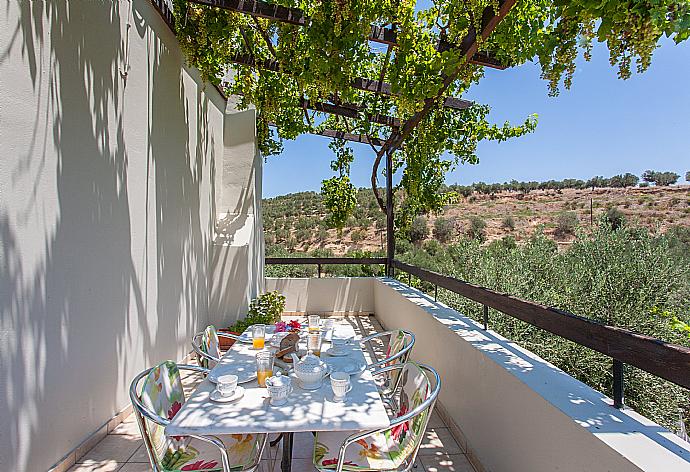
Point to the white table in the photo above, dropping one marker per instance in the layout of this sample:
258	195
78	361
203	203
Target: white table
304	411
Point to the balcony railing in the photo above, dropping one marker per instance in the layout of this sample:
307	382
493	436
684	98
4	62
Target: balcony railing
665	360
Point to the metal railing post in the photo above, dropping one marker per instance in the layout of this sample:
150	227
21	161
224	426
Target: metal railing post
486	317
435	293
618	383
318	269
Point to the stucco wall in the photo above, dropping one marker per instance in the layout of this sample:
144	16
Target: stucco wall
106	214
238	248
517	411
329	294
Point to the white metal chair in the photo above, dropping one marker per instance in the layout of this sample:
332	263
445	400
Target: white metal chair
160	398
398	351
399	347
207	346
393	448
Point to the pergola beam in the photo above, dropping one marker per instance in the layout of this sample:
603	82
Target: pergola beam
366	85
295	16
350	112
354	138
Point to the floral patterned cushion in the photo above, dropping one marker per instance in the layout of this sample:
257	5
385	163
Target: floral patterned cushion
210	345
162	393
200	455
397	342
386	450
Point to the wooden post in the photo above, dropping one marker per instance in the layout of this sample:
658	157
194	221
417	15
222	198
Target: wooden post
390	236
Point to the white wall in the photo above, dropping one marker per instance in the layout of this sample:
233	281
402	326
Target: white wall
328	294
517	411
238	248
106	214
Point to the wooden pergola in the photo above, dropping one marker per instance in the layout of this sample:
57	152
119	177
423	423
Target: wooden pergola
468	48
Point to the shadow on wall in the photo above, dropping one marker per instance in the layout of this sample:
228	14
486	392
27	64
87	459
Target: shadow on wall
95	300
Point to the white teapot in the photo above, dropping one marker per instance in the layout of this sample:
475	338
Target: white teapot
310	370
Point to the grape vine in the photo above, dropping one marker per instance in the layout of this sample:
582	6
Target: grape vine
319	61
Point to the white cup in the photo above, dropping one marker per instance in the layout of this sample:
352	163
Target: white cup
340	383
227	384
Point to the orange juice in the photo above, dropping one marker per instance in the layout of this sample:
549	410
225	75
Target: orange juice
262	375
258	343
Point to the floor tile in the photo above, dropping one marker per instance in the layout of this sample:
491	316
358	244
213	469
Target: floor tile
438	440
446	463
302	447
96	466
134	467
435	421
129	426
140	455
298	465
115	447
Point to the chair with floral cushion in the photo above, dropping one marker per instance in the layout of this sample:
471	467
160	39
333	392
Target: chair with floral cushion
207	346
160	398
398	351
389	449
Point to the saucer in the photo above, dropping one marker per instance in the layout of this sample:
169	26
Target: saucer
237	394
337	353
346	364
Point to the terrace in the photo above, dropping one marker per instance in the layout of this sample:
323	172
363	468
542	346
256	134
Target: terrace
144	226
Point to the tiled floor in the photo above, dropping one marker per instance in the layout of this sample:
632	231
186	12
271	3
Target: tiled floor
122	450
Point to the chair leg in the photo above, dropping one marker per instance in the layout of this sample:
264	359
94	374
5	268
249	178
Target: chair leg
276	440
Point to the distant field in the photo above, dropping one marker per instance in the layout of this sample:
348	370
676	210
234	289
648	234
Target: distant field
297	221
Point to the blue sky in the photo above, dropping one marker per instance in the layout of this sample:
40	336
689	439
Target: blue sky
601	126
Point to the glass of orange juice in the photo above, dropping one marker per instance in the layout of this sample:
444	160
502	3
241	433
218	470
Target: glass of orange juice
258	336
314	323
314	343
264	367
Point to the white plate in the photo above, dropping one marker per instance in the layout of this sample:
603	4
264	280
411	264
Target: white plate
236	395
244	372
342	353
345	364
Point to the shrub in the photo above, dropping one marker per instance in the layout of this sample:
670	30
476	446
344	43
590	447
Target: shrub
357	235
508	223
432	247
566	223
444	229
477	228
264	309
593	278
419	230
614	218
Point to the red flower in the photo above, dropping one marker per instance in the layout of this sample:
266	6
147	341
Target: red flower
335	461
174	409
397	431
294	324
201	465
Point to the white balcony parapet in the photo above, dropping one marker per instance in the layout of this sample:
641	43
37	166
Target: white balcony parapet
512	410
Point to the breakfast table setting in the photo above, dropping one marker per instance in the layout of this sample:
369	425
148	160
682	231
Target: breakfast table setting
285	379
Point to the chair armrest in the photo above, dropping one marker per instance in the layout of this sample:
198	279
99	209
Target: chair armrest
374	336
199	352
